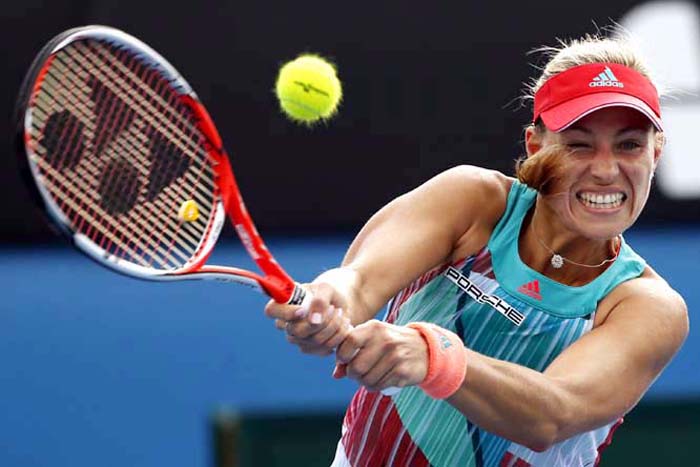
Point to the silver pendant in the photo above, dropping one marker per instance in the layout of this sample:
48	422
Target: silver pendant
557	261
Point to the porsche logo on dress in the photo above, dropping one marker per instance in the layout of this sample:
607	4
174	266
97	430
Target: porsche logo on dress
497	303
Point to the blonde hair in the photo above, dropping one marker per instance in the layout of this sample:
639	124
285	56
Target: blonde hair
538	170
588	50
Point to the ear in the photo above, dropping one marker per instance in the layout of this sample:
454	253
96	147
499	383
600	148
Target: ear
533	140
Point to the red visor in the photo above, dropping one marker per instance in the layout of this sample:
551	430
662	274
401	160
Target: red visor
571	95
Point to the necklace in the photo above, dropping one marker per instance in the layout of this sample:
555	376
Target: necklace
557	260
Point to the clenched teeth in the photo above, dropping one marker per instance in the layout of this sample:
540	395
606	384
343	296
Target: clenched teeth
604	201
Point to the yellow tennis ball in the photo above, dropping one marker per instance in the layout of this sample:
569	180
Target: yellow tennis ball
308	89
189	211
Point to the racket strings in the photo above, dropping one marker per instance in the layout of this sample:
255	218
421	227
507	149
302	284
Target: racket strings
119	153
75	185
129	230
93	170
133	144
125	149
131	88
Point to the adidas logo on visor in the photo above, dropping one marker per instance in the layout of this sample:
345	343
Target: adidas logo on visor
606	79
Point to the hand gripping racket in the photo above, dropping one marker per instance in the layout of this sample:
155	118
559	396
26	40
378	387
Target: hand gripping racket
126	161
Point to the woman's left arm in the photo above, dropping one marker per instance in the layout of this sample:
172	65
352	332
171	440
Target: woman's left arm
595	381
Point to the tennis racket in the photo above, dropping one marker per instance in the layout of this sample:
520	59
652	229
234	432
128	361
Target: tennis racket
125	160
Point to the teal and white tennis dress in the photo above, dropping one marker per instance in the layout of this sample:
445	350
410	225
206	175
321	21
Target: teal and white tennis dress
501	308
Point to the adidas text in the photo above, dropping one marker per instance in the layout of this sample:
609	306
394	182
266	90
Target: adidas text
606	84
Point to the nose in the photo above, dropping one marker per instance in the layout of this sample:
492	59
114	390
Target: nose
604	166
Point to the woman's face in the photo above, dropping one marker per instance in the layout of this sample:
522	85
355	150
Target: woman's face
607	176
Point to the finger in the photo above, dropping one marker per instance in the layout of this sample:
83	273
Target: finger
302	328
309	347
281	324
341	369
278	311
321	301
335	332
356	339
317	322
326	332
334	341
379	375
364	362
330	336
313	349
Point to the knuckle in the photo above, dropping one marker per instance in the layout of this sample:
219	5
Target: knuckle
298	330
390	346
323	289
292	339
319	338
400	373
373	324
275	310
269	307
352	341
322	351
360	368
334	341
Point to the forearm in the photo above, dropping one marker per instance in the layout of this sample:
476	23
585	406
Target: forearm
361	304
512	401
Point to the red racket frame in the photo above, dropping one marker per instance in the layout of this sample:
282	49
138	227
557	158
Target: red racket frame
275	282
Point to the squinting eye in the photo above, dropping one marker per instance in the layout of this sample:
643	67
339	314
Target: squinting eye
630	145
578	145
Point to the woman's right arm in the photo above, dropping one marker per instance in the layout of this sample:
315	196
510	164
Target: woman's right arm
453	212
421	230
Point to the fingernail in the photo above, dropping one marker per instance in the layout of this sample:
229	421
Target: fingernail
339	311
316	318
339	371
301	312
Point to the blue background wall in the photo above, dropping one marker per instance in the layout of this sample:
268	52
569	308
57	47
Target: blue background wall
99	369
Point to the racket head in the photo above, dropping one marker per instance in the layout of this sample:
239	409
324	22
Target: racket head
111	149
113	141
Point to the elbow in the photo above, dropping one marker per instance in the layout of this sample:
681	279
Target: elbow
541	437
554	424
540	442
539	445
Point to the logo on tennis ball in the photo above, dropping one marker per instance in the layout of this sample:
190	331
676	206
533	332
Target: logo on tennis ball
308	89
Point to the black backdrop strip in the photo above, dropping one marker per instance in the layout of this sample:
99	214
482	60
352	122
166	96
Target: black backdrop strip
427	86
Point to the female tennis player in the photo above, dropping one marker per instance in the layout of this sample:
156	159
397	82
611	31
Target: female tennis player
521	325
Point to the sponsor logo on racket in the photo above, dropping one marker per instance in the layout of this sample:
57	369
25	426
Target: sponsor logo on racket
247	242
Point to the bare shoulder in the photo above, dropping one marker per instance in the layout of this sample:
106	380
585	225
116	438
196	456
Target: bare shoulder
648	298
477	198
476	187
472	176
